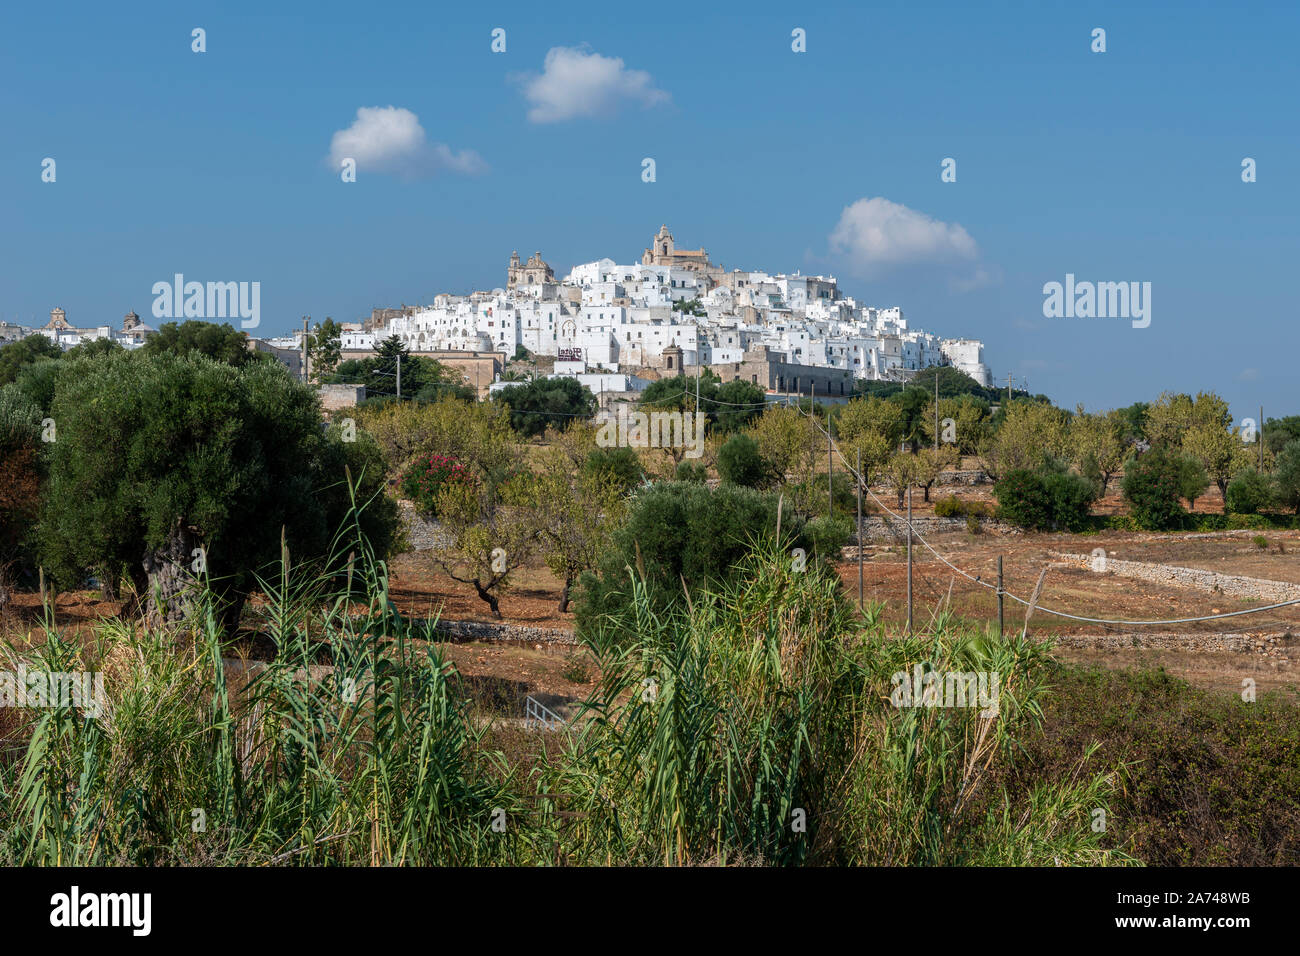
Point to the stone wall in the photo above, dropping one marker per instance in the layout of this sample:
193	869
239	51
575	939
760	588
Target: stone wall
456	631
1231	585
882	529
423	535
335	397
1279	645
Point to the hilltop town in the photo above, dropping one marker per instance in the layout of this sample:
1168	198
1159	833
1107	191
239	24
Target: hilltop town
617	328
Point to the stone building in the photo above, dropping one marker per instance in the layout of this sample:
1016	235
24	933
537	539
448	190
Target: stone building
58	320
533	273
664	252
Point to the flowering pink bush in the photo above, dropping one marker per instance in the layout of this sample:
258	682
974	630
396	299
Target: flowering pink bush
426	478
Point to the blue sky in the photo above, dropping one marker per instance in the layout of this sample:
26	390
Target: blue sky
1115	166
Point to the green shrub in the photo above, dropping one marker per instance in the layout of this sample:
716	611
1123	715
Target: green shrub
1045	499
542	402
1286	476
620	463
829	534
740	463
692	471
1249	493
950	507
1208	780
159	456
681	532
1152	488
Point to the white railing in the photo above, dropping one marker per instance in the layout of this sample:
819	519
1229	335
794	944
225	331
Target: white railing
535	712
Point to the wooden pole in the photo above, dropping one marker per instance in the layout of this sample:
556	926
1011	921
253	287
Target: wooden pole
936	408
909	561
830	468
1001	619
859	484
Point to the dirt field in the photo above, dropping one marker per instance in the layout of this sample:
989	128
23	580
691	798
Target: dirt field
503	671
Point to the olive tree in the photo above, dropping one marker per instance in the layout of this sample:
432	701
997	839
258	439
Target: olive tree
168	469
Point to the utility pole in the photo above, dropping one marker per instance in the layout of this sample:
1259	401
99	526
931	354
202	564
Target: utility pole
1259	437
399	374
1009	376
1000	593
830	468
909	560
936	408
859	484
305	320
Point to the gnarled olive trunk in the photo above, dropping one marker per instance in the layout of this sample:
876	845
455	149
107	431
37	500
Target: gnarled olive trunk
171	580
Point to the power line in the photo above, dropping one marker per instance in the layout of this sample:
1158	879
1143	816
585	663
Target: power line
1039	607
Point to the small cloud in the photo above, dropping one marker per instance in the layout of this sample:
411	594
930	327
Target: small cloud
875	235
576	83
1248	375
389	139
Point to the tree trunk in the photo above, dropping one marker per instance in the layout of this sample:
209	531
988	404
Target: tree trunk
1223	490
564	596
170	581
108	584
490	598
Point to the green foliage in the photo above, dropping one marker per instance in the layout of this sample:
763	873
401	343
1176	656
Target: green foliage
1152	487
37	382
691	307
20	419
222	343
1280	432
423	379
16	355
546	402
1249	493
93	349
692	471
677	532
375	763
1192	479
1207	779
950	507
424	481
1286	476
324	347
757	727
829	534
740	463
619	463
159	454
20	430
728	407
1045	499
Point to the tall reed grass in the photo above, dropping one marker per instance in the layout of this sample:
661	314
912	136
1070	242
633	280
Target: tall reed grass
753	726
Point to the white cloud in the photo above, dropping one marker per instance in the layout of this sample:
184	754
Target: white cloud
875	235
389	139
576	83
